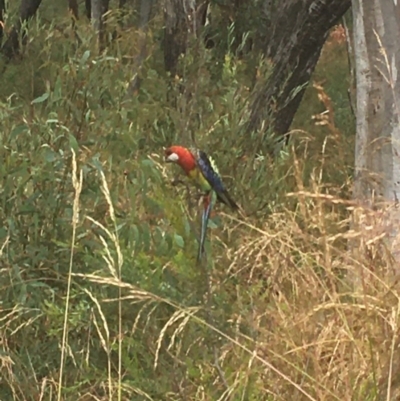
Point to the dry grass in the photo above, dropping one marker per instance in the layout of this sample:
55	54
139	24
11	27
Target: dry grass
333	339
311	335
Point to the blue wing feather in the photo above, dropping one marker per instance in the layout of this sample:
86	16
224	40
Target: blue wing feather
210	172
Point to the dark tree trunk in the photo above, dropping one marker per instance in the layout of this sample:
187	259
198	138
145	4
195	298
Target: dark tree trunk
241	25
293	45
2	10
145	12
27	10
181	21
175	34
88	8
201	15
73	8
98	8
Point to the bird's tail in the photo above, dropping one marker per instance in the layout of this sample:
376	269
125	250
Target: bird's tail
208	203
227	199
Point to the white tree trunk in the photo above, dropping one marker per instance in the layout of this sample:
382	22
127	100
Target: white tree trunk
377	61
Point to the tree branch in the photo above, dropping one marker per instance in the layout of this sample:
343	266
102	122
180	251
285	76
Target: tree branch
299	31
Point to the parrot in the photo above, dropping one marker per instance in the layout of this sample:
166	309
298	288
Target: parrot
202	170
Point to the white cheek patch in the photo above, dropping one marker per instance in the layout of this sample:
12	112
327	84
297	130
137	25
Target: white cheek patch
173	157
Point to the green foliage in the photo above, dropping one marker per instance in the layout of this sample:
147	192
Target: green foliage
143	318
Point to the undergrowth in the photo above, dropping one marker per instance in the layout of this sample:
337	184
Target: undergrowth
101	296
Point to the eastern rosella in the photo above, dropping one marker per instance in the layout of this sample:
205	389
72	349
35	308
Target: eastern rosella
203	172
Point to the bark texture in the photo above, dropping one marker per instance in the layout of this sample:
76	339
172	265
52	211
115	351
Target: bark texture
27	10
97	10
298	29
73	8
377	60
145	12
88	8
182	19
2	11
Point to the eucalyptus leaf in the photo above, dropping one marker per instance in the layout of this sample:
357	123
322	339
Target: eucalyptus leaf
40	99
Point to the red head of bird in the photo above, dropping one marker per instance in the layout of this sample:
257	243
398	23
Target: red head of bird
181	156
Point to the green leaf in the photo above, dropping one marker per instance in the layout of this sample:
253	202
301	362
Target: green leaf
85	57
73	143
214	223
57	91
40	99
49	155
19	129
179	241
97	163
3	233
147	162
